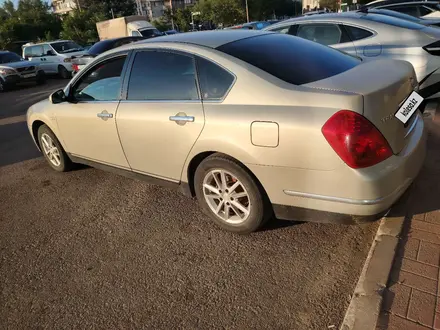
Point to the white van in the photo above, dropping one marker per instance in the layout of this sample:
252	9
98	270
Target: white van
54	57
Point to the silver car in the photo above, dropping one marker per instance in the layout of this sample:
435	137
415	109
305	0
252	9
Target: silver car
373	37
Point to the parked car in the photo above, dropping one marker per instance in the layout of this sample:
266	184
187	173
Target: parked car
418	8
79	62
53	57
14	70
396	14
328	139
255	25
373	36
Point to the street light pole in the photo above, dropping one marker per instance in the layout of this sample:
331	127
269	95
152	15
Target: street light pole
247	11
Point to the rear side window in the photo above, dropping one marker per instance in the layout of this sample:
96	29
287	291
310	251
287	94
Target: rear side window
214	80
34	51
294	60
326	34
393	21
357	33
164	76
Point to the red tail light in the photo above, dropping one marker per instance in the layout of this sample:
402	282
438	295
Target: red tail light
357	141
75	67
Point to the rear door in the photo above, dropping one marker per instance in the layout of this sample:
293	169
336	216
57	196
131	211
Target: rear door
329	34
162	116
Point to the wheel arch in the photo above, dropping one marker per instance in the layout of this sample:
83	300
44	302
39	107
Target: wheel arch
35	127
200	157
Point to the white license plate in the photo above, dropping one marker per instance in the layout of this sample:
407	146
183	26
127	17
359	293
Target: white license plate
409	107
29	75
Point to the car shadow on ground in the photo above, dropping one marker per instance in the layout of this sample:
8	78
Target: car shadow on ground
423	197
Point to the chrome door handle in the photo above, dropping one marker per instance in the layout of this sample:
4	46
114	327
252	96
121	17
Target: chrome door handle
105	115
182	118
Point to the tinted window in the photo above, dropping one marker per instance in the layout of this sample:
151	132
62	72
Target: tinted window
326	34
9	58
162	76
357	33
393	21
101	83
425	11
149	33
214	80
291	59
101	47
409	10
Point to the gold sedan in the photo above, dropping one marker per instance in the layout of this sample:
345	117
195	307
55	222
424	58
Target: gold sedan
254	124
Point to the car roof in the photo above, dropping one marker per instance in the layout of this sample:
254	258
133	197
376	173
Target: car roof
396	2
212	39
329	16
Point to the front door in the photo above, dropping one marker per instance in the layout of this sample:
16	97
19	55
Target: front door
163	115
87	122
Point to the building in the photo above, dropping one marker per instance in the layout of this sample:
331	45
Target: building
154	9
63	6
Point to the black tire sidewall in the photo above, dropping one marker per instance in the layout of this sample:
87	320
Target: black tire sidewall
258	214
65	163
63	72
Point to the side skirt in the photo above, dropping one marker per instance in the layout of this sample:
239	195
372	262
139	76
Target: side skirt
182	187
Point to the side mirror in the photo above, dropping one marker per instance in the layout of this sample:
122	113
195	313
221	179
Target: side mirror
50	53
58	97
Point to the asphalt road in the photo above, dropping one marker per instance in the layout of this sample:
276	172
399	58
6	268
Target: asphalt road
89	249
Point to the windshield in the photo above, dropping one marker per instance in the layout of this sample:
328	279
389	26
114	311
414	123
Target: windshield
149	33
9	58
294	60
403	23
64	47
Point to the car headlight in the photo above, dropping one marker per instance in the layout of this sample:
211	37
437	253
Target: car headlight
67	60
7	71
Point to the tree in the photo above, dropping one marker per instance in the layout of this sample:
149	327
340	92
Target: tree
32	20
80	26
226	12
118	8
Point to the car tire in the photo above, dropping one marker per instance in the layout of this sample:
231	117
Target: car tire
63	72
3	86
228	208
41	78
53	151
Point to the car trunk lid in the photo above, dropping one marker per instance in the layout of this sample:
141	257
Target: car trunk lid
384	86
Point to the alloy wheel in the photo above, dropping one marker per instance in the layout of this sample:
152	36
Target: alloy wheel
226	196
50	149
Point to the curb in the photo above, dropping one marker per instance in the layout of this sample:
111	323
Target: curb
365	305
364	309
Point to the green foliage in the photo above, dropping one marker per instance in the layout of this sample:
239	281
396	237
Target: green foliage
161	24
80	26
120	7
226	12
31	20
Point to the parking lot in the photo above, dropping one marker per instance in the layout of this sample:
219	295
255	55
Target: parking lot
89	249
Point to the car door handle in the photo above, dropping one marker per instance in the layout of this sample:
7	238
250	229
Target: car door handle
105	115
182	118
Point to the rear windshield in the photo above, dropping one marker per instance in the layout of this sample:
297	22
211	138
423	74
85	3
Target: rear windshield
393	21
101	47
294	60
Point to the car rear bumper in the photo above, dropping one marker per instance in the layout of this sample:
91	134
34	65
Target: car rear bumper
344	195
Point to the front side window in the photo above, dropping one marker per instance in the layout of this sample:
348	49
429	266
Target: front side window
101	83
158	75
356	33
47	50
326	34
214	80
293	60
